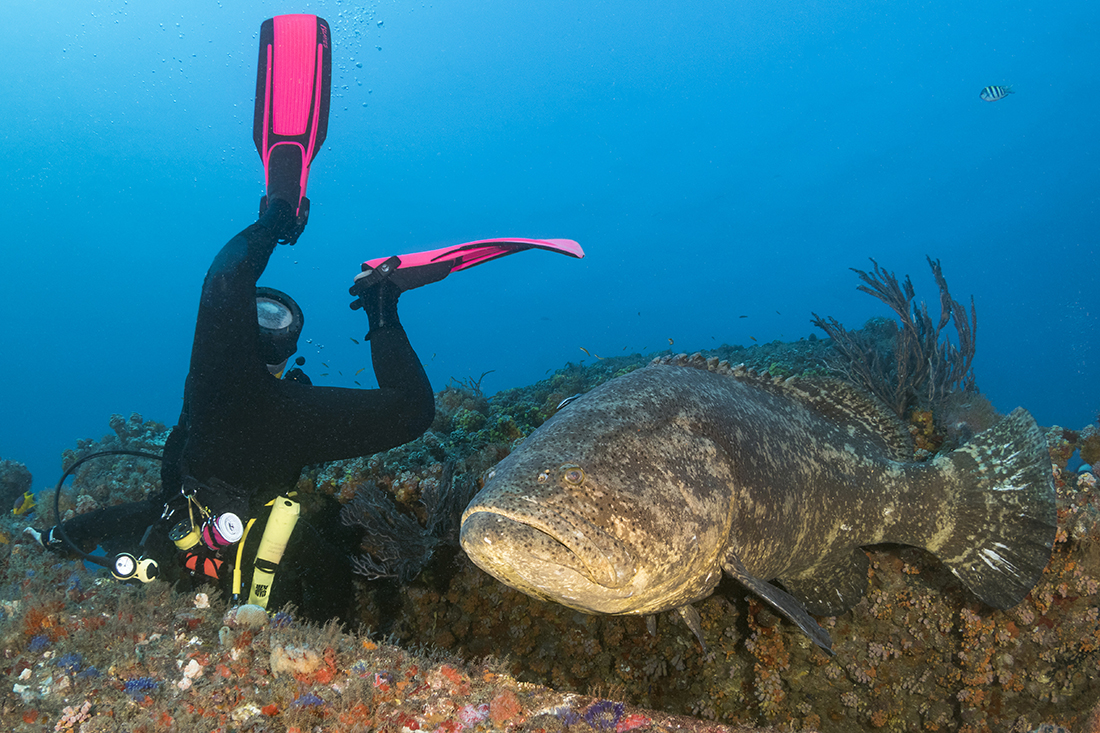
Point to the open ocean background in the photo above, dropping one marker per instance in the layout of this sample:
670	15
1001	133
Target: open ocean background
714	159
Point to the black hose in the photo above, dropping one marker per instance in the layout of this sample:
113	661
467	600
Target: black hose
102	561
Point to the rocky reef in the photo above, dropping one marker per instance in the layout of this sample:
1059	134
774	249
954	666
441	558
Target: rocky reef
918	653
453	649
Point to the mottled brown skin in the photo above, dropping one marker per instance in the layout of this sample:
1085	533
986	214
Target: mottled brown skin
635	497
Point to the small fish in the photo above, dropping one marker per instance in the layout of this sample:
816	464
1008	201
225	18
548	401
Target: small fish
353	340
995	92
24	504
590	353
567	400
357	383
324	374
357	373
670	342
753	338
637	498
325	365
742	316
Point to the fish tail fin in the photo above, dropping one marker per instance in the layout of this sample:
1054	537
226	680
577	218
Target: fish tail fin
1004	514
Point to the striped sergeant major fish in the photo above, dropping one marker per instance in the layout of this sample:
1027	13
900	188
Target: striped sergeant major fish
995	92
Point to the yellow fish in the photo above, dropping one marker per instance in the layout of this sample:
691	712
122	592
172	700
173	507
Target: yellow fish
24	504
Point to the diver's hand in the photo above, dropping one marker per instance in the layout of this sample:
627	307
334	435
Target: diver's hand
378	299
366	286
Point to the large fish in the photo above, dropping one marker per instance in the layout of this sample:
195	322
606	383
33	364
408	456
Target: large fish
634	498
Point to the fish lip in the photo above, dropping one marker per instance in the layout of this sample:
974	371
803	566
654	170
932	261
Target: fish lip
606	562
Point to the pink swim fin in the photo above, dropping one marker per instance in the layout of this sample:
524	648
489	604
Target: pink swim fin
409	271
293	84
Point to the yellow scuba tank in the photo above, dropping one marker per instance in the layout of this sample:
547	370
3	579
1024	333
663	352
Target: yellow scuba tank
280	524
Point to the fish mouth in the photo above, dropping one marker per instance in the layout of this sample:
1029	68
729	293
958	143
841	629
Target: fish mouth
500	541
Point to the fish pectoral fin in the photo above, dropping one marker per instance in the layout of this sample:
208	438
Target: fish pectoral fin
833	585
694	622
782	601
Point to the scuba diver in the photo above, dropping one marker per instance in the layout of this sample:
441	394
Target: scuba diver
225	510
244	434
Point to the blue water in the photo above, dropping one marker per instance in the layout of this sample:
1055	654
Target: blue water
715	159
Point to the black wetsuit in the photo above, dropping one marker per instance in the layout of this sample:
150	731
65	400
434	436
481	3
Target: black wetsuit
246	435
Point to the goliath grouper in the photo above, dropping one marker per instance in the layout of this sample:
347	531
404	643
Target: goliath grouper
634	498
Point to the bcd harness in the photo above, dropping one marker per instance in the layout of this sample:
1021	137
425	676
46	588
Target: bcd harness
214	532
219	532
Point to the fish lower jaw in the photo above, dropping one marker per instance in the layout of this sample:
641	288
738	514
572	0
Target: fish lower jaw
511	550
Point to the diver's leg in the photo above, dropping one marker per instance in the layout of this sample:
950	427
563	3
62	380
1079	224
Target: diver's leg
118	524
227	339
327	423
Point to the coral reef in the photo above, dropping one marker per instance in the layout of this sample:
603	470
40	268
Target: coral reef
85	653
112	480
908	364
395	544
82	653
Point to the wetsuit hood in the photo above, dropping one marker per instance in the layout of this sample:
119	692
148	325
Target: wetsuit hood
280	320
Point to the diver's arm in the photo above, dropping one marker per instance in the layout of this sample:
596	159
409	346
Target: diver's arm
318	424
333	422
124	523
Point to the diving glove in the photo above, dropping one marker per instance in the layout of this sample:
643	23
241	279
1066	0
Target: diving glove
377	295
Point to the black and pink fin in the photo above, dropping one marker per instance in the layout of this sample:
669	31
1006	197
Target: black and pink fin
293	85
413	270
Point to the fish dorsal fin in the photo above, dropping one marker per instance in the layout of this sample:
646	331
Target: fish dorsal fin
848	405
836	399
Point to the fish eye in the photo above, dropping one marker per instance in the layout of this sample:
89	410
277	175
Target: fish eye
572	474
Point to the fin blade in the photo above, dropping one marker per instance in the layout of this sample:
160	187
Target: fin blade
293	87
416	269
1005	488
